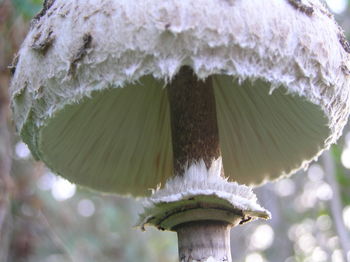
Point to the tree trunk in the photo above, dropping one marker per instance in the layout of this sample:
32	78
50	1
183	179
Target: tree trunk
5	180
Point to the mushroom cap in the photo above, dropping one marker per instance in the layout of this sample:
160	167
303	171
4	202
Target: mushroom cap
89	95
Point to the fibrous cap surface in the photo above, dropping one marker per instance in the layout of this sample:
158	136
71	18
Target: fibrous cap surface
89	99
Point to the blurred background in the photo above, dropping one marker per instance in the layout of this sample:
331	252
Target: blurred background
44	218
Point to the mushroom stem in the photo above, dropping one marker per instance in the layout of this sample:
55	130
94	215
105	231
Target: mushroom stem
195	138
195	135
204	241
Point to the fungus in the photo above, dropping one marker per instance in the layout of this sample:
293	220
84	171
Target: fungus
198	100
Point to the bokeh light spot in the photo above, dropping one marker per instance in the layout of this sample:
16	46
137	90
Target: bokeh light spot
306	243
262	237
333	242
46	181
62	189
337	6
254	257
285	187
346	216
22	150
315	173
345	157
324	223
319	255
337	256
324	192
86	208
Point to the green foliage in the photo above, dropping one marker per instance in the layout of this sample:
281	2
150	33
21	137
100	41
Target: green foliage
27	8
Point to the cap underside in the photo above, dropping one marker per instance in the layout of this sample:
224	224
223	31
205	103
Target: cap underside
118	140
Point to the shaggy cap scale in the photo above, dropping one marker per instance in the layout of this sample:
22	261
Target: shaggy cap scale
89	99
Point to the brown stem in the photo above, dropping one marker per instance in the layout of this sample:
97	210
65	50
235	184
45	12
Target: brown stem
194	128
203	239
195	137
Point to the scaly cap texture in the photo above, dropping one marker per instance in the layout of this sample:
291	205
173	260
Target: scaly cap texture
88	91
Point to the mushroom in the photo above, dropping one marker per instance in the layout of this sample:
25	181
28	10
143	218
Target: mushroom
198	100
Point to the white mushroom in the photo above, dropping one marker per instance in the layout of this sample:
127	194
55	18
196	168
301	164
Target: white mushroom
195	97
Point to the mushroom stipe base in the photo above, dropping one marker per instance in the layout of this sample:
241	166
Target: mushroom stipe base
204	241
188	202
